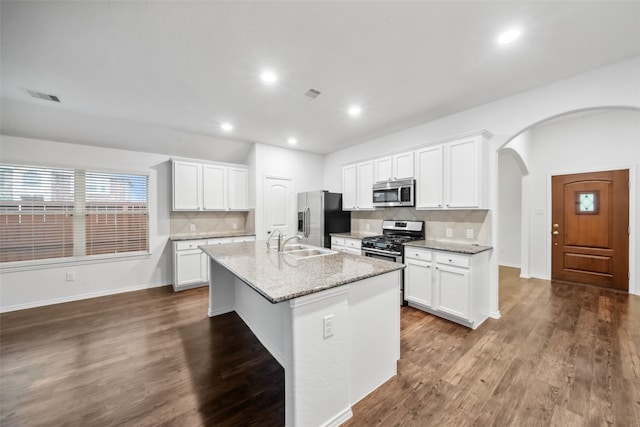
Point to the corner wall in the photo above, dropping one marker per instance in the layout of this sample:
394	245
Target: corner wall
44	285
616	85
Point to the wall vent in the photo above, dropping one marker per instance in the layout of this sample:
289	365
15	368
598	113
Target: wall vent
45	96
312	93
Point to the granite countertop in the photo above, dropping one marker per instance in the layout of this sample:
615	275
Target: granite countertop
212	235
354	235
279	276
463	248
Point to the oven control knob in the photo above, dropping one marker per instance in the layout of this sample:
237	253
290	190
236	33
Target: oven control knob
388	245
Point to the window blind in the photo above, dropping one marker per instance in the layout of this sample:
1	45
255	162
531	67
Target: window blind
59	213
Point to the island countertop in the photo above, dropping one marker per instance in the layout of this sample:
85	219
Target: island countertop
279	276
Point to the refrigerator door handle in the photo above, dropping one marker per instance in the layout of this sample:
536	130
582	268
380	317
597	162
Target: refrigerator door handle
307	220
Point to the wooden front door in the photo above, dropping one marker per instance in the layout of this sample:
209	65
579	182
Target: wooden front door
590	228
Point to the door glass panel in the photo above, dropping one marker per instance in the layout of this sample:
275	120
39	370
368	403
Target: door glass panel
587	202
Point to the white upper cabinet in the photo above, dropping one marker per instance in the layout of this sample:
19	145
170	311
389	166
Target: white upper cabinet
349	187
187	186
214	180
238	189
365	185
357	186
462	174
429	177
398	166
453	175
210	187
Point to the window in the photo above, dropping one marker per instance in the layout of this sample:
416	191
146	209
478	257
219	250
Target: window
48	213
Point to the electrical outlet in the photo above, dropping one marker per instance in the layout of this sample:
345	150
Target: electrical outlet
192	227
327	323
71	276
368	226
234	226
449	232
469	233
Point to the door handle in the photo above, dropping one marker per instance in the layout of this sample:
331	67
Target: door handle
555	226
556	232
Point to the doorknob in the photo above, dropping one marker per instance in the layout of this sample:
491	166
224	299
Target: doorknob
555	226
556	232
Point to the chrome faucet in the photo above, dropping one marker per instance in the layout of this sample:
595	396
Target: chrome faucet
295	236
279	239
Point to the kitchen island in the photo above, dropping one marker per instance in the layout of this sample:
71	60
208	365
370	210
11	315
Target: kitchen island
332	321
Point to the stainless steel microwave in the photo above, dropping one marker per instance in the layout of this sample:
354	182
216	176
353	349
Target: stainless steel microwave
394	193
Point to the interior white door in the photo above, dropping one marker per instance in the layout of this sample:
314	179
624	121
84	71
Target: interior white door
279	207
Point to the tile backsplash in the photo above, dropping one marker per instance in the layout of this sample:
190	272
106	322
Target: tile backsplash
436	223
212	222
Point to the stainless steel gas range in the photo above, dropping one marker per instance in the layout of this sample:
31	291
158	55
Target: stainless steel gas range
389	245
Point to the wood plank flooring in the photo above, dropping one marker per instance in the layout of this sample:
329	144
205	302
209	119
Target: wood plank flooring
561	355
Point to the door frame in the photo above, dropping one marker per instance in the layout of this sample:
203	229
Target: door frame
263	233
634	287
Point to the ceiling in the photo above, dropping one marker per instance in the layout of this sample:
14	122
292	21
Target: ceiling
162	76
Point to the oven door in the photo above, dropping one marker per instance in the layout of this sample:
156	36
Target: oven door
383	255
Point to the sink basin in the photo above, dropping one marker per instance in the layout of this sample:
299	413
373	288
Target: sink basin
309	252
295	247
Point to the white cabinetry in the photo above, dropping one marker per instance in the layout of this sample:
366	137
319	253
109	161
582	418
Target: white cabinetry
210	187
418	281
346	244
191	265
446	284
453	175
398	166
357	186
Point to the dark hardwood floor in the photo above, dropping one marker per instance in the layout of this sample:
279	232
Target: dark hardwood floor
560	355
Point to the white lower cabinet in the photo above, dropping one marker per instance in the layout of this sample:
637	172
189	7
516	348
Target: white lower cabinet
450	285
346	244
191	265
418	282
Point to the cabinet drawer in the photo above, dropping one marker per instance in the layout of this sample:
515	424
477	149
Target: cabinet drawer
353	243
337	241
218	241
417	253
452	259
191	244
244	239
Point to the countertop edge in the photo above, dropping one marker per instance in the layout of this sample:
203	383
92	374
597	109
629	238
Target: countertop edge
179	238
462	248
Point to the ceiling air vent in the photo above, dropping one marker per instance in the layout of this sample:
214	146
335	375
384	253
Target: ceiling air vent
312	93
44	96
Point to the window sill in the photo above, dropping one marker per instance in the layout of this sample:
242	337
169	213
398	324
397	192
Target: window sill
10	267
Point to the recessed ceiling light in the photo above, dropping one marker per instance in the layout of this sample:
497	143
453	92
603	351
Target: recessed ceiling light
355	110
509	36
292	141
268	76
227	127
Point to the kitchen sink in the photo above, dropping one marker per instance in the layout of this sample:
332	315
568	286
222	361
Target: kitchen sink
309	252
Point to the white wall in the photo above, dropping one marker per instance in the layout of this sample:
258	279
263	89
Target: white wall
601	140
40	286
305	169
617	84
509	201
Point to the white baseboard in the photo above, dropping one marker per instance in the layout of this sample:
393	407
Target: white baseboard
79	297
494	314
506	264
339	418
219	311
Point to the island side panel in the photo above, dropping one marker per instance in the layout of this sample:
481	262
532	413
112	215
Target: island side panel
269	322
221	289
374	333
317	371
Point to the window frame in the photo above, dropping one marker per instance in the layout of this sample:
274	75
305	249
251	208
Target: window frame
25	265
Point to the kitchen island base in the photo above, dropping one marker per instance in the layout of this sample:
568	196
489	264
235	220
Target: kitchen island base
336	346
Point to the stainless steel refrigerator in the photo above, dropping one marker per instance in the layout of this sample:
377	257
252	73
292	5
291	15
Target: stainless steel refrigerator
320	213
